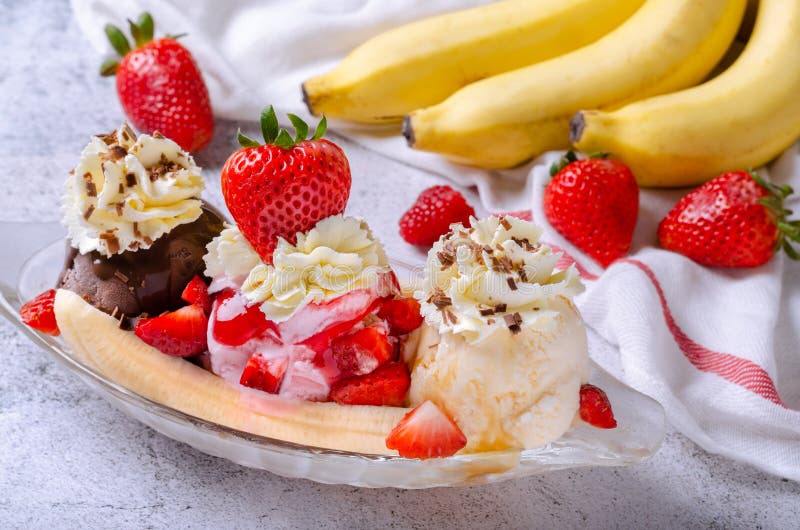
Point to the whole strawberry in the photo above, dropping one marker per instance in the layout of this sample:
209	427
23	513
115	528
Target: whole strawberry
285	185
159	85
594	203
734	220
431	215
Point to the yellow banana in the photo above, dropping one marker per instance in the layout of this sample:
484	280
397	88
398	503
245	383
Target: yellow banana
422	63
505	120
96	340
741	119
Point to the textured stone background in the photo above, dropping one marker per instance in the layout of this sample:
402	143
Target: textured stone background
67	459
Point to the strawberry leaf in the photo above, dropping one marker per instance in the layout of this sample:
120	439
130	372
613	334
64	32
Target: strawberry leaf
322	126
790	250
109	67
300	127
146	26
269	125
246	141
566	160
117	39
284	140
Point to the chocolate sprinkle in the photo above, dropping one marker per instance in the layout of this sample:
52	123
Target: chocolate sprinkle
111	241
505	224
117	152
91	188
486	311
511	283
523	275
89	211
121	189
119	207
500	308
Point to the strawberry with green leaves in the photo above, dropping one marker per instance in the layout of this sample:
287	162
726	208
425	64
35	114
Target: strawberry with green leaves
160	86
594	203
734	220
286	184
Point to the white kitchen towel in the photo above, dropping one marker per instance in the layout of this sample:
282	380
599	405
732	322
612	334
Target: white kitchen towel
719	349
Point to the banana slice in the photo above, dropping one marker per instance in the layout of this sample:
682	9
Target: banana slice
96	340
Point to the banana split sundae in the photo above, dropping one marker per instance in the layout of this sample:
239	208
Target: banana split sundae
293	320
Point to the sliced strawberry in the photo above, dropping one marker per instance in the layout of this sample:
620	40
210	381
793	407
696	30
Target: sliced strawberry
196	292
402	314
361	352
235	322
181	333
426	432
595	408
264	374
387	385
39	313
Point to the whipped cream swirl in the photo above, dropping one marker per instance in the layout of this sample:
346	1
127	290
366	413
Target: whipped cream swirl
229	259
493	275
338	255
126	192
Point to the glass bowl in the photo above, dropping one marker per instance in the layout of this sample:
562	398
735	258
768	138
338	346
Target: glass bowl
31	258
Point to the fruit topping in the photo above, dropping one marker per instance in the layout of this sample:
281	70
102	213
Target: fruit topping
432	214
264	374
181	333
196	292
594	203
595	409
426	432
402	314
235	322
734	220
285	185
387	385
159	85
362	351
39	314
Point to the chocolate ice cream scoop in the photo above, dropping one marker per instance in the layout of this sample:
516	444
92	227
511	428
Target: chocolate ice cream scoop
147	280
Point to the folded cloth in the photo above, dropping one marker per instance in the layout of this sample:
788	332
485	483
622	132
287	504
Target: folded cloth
718	348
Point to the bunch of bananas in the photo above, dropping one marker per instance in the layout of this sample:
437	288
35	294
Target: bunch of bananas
662	84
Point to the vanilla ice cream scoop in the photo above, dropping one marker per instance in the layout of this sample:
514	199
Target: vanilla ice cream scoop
504	351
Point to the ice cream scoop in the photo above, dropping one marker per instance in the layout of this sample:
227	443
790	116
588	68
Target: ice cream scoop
504	352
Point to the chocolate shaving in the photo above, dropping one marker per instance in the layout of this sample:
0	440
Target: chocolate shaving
119	207
513	322
524	243
148	240
158	135
523	275
500	308
511	283
130	180
109	139
136	229
164	166
91	188
115	311
432	346
439	299
127	133
121	320
447	256
505	224
505	262
486	311
111	241
87	176
121	276
121	188
89	211
448	315
117	152
490	321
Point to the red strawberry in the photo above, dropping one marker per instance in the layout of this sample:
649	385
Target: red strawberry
593	203
432	214
235	322
426	432
39	314
595	408
362	351
387	385
735	220
264	374
181	333
196	292
402	314
286	185
159	86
